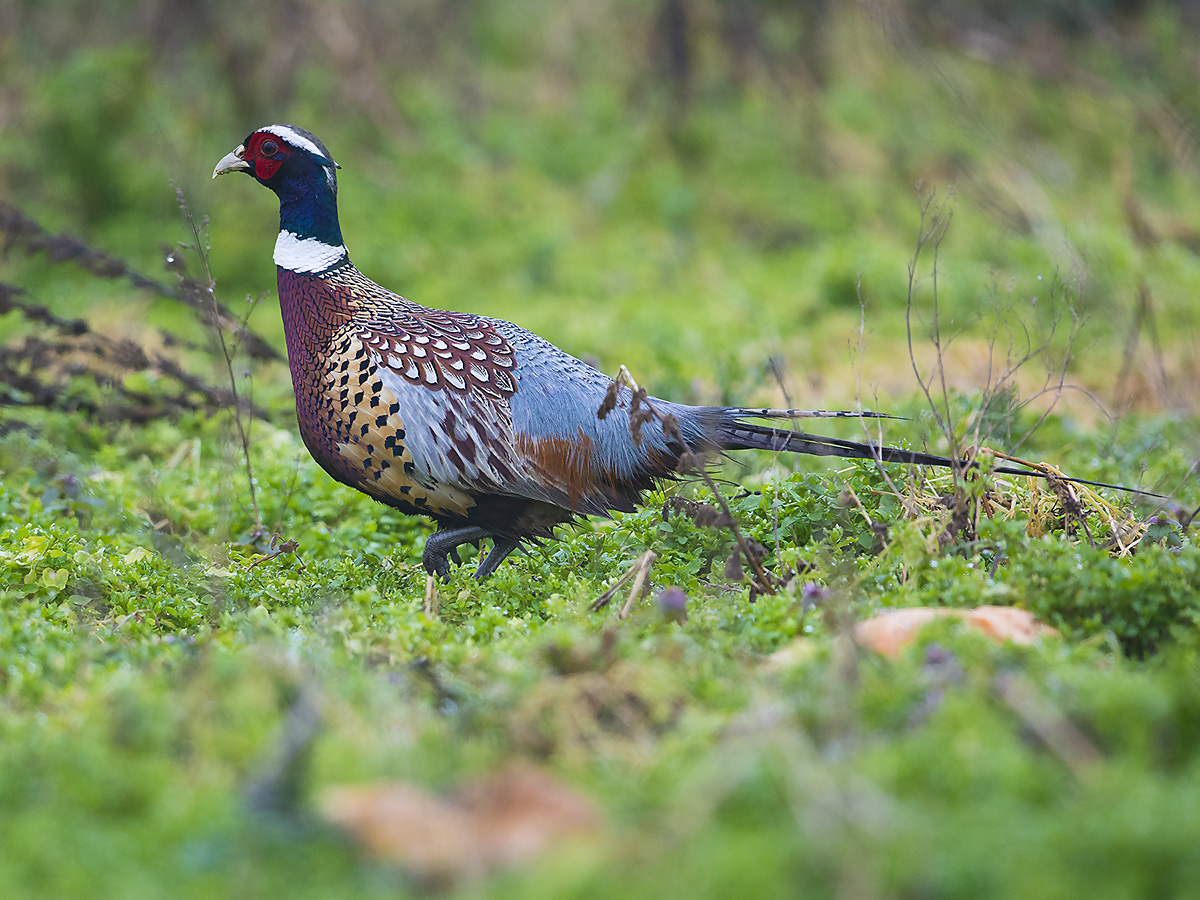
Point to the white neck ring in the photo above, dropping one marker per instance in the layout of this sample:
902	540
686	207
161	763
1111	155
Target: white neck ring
306	255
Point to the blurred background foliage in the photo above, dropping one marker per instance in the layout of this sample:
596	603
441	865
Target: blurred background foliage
707	191
690	187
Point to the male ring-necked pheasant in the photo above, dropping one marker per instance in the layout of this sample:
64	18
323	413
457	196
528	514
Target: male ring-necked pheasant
474	422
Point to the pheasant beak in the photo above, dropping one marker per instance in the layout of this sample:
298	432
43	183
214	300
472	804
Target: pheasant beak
232	162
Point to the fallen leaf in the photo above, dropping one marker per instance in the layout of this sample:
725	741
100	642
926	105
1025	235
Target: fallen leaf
1007	623
505	819
890	632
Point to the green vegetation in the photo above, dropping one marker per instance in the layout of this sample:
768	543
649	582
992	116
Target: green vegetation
717	222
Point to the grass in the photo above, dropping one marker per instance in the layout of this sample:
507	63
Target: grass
152	665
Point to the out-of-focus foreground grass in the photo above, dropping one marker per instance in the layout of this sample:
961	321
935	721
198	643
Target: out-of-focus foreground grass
714	194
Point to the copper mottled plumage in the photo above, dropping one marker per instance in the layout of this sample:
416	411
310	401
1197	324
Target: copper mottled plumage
343	332
336	385
475	422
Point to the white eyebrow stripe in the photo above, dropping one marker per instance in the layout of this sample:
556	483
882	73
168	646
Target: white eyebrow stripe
299	140
294	137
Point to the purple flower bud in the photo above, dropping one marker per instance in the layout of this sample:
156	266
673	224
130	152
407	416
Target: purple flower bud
672	603
813	592
936	654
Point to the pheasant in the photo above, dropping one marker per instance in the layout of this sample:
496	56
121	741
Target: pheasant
478	424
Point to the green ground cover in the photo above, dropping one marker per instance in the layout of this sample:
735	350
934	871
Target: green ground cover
722	235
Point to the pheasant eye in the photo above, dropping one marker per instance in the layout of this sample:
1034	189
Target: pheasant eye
269	148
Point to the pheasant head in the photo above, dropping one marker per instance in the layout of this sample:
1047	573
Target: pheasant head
297	167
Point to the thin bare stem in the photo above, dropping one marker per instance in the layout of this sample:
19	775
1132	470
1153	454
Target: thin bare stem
932	228
874	441
643	568
209	289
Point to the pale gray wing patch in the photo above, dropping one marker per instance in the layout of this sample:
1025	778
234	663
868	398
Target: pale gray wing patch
452	441
470	444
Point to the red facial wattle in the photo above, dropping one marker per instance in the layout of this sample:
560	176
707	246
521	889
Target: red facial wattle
266	154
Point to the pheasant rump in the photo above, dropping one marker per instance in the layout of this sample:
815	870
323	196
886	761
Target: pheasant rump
480	425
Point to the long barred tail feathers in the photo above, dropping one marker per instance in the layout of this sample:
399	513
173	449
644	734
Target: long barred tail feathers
744	436
760	413
739	435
